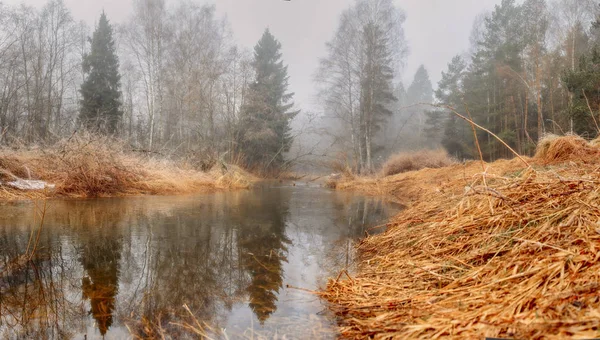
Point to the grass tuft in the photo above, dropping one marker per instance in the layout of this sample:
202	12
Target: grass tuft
416	160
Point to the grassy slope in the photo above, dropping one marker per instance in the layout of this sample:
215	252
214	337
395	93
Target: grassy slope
506	252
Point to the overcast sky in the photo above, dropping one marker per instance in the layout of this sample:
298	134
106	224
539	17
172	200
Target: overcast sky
435	30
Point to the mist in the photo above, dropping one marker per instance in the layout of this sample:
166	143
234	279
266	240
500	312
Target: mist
186	69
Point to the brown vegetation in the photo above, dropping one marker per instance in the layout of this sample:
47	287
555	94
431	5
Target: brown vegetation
416	160
412	186
509	252
553	149
92	166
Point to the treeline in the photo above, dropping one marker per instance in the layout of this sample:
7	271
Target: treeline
167	79
533	68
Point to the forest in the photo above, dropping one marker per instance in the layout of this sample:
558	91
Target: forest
219	203
176	84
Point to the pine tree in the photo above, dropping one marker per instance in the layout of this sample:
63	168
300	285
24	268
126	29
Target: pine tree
457	138
420	90
376	92
101	102
265	132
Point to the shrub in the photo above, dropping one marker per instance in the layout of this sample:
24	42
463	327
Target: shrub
416	160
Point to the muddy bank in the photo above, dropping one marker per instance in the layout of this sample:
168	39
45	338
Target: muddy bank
85	166
503	250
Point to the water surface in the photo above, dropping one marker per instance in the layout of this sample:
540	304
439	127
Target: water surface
225	263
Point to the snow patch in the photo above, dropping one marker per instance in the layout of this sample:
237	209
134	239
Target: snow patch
28	184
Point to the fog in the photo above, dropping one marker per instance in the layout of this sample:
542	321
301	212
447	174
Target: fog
275	82
436	30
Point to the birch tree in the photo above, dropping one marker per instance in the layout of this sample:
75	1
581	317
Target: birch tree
146	34
356	77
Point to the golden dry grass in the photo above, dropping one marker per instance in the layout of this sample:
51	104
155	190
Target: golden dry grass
553	149
416	160
92	166
509	252
413	186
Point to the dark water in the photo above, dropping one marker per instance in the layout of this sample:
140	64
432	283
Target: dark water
219	263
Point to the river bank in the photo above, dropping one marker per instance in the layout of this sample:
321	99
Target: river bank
88	166
506	249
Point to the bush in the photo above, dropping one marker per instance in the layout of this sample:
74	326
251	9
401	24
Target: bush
416	160
87	165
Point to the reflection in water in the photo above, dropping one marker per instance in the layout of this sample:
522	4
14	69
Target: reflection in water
104	264
100	258
263	247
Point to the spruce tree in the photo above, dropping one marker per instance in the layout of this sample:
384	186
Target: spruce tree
101	102
265	132
420	90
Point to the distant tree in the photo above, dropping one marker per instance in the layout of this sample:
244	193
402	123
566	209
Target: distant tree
101	90
265	132
400	94
420	90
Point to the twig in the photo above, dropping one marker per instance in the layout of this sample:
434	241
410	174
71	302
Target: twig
480	153
482	128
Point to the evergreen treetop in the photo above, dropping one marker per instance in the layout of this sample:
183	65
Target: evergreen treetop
101	102
265	132
420	90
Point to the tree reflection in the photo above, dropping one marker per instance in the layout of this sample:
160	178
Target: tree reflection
100	259
192	260
139	261
33	299
263	247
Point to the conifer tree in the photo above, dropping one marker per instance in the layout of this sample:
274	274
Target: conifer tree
101	103
265	132
420	90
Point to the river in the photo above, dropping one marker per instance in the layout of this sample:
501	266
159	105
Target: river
228	265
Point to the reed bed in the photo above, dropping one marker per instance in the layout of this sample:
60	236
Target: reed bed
512	255
94	166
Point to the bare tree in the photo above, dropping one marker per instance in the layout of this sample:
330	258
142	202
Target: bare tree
146	39
369	41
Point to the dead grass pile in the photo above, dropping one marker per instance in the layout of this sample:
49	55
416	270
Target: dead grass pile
232	177
515	255
553	149
416	160
412	186
95	166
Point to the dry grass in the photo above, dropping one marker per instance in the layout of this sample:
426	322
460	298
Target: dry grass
553	149
412	186
416	160
516	255
92	166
